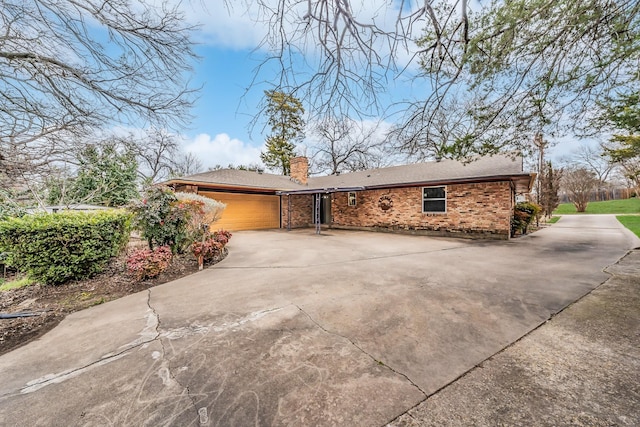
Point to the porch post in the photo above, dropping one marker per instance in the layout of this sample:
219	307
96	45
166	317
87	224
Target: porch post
316	216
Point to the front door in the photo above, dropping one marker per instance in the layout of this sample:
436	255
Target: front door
325	208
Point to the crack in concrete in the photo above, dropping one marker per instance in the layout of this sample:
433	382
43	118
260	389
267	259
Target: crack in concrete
39	383
480	364
379	362
164	353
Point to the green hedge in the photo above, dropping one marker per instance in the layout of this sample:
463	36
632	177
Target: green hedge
56	248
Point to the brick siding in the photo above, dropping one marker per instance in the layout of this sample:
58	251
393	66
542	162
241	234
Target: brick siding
301	210
472	209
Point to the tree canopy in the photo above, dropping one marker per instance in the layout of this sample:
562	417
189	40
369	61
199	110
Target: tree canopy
106	176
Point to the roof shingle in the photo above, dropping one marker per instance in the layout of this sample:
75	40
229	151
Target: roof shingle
441	171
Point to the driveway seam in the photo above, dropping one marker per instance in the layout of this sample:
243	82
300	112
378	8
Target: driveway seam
221	267
512	344
379	362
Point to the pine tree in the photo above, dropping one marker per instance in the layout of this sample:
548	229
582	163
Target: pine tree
287	126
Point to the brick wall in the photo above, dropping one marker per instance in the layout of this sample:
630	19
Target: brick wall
472	210
299	169
301	210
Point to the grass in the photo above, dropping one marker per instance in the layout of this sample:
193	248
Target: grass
626	206
16	283
632	222
553	220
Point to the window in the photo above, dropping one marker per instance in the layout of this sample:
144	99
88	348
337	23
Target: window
434	199
352	198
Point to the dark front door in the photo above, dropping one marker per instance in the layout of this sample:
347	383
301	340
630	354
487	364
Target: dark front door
325	208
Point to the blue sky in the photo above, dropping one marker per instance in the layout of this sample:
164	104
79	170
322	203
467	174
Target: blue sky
219	132
224	109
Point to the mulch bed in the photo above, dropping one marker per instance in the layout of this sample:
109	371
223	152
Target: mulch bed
53	303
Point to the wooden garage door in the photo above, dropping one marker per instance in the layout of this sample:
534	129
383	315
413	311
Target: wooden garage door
247	211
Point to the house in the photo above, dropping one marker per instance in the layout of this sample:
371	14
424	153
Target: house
447	197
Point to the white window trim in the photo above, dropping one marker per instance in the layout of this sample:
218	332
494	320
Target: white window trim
441	198
355	198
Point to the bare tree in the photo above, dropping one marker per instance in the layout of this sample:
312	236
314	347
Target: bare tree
529	64
579	183
593	159
68	67
344	145
157	152
550	180
448	134
186	164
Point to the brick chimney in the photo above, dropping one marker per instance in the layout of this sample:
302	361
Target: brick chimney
299	169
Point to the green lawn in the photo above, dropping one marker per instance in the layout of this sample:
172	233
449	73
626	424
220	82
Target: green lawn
627	206
632	222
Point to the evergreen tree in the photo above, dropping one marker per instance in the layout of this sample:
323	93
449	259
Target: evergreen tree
623	115
106	176
284	114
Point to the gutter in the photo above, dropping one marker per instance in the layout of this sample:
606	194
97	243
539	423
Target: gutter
319	190
490	178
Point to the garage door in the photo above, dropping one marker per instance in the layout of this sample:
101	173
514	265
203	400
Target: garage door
247	211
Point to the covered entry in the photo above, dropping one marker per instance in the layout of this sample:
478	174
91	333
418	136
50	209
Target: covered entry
247	211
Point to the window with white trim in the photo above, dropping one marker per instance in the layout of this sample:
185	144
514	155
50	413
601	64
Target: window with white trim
351	197
434	199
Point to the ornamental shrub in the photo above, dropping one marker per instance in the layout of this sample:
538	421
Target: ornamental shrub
222	236
56	248
149	263
206	250
523	214
162	219
210	246
211	209
10	210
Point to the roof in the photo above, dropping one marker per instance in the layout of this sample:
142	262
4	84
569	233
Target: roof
241	179
503	166
442	171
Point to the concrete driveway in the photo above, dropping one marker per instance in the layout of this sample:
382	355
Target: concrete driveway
347	328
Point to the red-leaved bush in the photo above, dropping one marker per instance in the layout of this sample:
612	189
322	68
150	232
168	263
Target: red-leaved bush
222	236
210	247
149	263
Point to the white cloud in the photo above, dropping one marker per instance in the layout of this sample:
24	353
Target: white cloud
245	25
222	150
232	26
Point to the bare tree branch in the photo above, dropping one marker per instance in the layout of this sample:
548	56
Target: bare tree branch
68	67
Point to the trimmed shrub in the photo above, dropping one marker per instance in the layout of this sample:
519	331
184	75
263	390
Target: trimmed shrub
149	263
56	248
